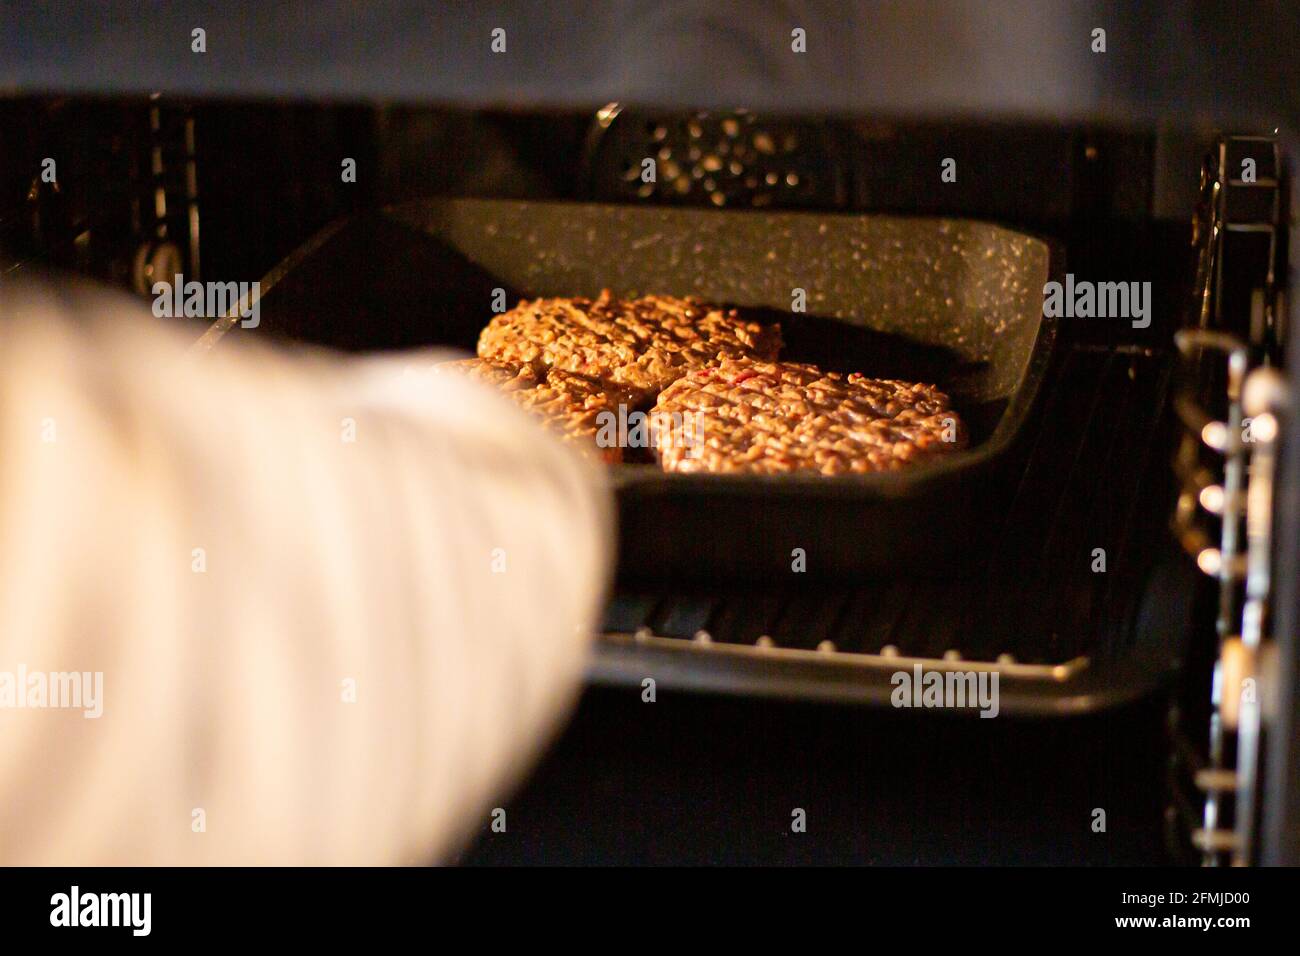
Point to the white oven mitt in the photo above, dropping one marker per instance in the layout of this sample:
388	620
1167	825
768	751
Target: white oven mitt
334	606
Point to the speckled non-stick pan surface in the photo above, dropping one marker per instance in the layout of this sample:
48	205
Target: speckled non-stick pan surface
953	302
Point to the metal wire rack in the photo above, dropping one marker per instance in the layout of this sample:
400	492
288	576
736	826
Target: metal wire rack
1224	465
1027	608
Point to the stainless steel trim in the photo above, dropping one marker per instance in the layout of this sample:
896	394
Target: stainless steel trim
830	657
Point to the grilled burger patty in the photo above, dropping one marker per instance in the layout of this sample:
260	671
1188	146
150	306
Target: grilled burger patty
778	417
568	403
643	344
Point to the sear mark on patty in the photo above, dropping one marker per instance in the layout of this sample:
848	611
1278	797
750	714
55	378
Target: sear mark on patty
779	417
568	403
643	344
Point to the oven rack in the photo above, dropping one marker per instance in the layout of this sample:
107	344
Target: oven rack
1027	606
165	217
1224	466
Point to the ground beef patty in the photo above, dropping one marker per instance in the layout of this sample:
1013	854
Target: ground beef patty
644	344
568	403
777	417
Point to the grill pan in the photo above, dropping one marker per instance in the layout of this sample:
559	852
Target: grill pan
953	302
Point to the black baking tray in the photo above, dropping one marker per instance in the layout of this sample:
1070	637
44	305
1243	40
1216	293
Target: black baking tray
957	303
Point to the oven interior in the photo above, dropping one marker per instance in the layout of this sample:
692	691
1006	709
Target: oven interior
774	684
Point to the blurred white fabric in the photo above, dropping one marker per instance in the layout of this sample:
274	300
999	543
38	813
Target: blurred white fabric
349	671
